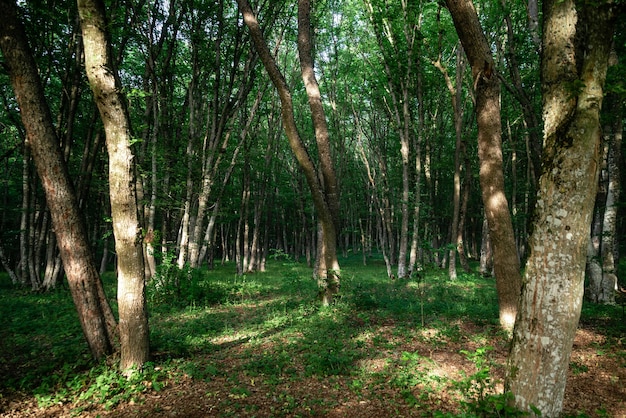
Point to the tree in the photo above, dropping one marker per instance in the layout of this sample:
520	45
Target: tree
105	84
94	312
575	49
455	89
485	80
322	183
398	36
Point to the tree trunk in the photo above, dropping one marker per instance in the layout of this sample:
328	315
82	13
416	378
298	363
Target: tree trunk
104	82
487	85
415	244
609	223
7	266
94	312
398	44
24	274
329	206
325	197
486	252
576	45
593	268
455	96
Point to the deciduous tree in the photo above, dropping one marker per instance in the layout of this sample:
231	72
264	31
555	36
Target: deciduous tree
576	41
107	91
94	312
487	85
322	183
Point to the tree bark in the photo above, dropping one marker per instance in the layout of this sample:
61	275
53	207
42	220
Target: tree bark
104	82
94	312
609	223
455	96
576	45
322	197
330	274
487	85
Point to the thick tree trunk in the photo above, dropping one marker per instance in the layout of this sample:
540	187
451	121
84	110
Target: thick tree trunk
94	312
487	84
102	75
576	44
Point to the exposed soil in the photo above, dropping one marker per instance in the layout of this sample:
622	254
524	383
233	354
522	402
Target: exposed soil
596	385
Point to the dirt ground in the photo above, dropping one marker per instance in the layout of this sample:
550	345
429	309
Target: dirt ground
596	387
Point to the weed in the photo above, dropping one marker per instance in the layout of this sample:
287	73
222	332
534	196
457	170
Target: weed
200	371
478	389
102	384
578	368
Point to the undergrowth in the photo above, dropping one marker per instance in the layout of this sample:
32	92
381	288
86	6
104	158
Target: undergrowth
198	316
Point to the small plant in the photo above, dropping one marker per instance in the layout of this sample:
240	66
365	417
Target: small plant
101	385
481	399
578	368
279	254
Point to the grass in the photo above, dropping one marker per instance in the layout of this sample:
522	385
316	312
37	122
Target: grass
266	330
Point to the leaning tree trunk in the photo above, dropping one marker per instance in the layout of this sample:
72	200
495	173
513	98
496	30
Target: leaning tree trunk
94	312
329	278
576	45
102	75
505	258
325	197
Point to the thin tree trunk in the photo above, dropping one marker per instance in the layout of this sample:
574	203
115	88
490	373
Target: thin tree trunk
102	75
594	267
418	173
186	224
486	252
7	266
609	223
24	273
455	95
467	180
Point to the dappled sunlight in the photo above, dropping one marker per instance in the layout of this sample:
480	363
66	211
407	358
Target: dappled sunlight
597	373
262	352
373	365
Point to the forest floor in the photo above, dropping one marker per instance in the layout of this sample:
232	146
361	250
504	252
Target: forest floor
259	347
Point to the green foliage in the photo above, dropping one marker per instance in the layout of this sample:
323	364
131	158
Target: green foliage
266	331
102	384
481	398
